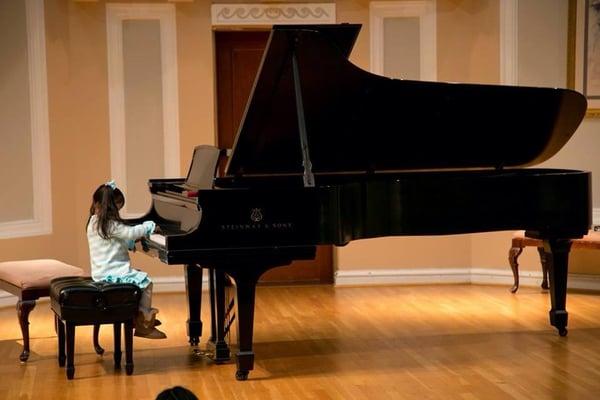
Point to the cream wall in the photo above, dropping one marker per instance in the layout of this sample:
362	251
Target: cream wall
468	50
468	35
542	31
78	115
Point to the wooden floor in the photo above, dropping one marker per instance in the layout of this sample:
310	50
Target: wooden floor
419	342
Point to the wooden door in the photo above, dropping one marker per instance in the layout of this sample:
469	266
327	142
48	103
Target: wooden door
238	55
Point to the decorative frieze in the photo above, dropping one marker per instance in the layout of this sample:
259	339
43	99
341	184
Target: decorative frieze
273	13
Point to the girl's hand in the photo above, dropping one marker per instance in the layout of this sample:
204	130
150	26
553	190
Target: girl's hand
149	226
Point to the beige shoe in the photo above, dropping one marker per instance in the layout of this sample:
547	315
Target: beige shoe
149	333
145	325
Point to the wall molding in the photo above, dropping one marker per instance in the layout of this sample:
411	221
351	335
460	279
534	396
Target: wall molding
162	284
273	13
175	283
475	276
596	216
41	224
401	276
7	299
165	14
426	11
416	276
509	49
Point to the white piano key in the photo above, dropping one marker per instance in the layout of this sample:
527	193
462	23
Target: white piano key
156	238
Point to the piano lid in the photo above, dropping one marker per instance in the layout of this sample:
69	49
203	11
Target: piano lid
357	121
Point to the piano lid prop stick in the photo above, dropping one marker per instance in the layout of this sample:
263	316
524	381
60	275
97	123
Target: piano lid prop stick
309	179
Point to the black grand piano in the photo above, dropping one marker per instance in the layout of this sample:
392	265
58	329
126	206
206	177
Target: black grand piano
328	153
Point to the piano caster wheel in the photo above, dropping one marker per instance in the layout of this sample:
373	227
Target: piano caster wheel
99	350
241	375
563	332
129	369
24	356
194	341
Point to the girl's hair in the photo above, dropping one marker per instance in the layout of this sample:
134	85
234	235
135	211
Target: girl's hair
106	203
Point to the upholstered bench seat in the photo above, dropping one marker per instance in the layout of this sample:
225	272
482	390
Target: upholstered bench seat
35	274
81	301
520	241
29	280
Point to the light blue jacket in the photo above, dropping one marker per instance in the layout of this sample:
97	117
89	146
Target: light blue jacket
110	257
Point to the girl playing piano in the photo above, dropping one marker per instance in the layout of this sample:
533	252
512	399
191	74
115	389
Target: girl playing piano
109	240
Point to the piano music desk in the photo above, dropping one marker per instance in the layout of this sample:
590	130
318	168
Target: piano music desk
520	241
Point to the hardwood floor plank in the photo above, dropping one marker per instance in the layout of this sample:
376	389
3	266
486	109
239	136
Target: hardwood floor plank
320	342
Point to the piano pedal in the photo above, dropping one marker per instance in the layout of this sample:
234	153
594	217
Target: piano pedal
200	353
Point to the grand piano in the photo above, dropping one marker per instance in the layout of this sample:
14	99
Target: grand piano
328	153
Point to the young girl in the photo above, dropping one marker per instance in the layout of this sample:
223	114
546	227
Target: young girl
109	240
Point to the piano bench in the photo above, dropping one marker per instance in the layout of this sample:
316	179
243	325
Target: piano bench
81	301
30	280
520	241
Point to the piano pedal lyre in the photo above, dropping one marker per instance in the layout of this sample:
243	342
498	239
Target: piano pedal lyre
229	319
218	350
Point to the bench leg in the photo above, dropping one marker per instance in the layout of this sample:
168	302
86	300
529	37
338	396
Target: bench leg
24	307
99	350
129	347
513	255
544	262
60	328
70	350
117	354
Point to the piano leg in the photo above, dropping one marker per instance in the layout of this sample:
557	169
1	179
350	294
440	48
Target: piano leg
211	290
544	263
557	259
245	283
217	343
193	287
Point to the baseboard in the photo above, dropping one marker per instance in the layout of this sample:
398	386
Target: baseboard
497	276
420	276
162	284
363	277
167	284
170	284
7	299
476	276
